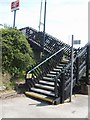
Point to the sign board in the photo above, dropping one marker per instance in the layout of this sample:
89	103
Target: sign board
14	5
77	42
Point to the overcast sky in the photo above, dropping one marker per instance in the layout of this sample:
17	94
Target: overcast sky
63	17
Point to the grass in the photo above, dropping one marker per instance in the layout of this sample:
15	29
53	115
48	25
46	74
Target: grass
12	83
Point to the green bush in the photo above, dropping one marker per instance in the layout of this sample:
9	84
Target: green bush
17	54
11	85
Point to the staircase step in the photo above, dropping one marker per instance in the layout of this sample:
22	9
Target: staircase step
44	92
46	83
45	87
64	61
57	70
53	72
51	75
48	79
61	64
59	67
40	97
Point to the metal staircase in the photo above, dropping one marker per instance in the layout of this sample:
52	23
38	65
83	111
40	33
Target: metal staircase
51	45
50	80
44	81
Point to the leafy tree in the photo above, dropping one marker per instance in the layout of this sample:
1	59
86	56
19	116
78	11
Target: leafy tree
17	54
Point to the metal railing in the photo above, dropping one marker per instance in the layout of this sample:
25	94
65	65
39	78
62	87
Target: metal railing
58	48
51	45
81	62
43	68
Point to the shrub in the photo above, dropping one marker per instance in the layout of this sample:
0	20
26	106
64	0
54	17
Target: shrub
17	54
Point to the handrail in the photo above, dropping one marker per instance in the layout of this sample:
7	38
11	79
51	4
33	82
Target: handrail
79	71
79	54
46	60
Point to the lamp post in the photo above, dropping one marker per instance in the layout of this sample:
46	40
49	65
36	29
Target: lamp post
71	68
44	25
40	15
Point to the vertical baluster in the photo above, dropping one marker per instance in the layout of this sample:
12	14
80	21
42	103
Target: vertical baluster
56	89
62	86
77	69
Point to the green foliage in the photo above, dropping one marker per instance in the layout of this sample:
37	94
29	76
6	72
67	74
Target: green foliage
11	85
17	54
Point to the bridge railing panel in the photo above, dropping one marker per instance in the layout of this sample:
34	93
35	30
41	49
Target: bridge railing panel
51	43
80	67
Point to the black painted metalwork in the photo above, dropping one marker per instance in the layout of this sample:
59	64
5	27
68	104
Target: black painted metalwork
43	68
51	44
81	66
52	65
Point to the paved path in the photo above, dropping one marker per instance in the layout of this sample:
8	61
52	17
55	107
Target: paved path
24	107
